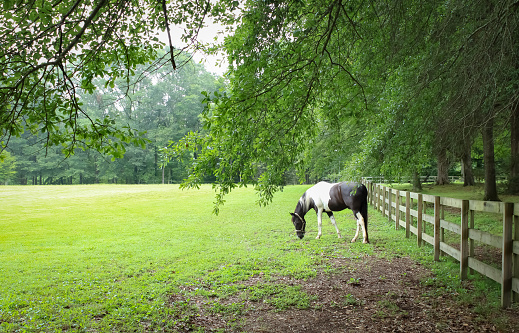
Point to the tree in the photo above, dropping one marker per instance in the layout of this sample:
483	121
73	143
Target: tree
288	74
163	106
52	52
7	167
466	164
488	153
481	80
258	128
443	167
415	74
513	183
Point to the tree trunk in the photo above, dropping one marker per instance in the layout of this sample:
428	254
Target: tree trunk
156	164
96	171
417	185
513	182
163	175
466	166
468	175
443	168
488	160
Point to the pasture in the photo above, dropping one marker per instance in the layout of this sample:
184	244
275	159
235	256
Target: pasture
153	258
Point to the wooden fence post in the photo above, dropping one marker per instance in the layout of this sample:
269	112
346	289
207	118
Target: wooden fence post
367	184
397	210
376	196
471	241
464	250
516	256
380	188
371	193
383	200
407	214
442	231
420	219
389	205
506	275
436	228
424	229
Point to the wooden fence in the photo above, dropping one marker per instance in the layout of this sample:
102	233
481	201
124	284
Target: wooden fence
404	208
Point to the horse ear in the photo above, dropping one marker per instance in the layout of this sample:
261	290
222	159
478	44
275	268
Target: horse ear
292	214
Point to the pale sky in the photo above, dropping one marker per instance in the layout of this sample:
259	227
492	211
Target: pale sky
213	64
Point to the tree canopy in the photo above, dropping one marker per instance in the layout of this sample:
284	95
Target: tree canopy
52	52
326	88
397	83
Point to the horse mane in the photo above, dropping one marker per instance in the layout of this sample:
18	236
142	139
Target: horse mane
302	206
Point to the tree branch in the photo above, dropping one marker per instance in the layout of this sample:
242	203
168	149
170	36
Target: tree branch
73	43
171	49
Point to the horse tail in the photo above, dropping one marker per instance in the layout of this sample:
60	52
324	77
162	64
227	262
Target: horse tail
364	213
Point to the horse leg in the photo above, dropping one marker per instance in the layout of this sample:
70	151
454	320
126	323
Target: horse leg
319	223
363	226
357	233
332	218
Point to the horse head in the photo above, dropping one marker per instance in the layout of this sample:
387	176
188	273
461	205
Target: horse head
300	224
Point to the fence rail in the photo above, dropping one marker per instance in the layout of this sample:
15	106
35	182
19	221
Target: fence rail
404	207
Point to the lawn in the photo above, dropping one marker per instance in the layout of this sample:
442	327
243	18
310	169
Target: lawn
109	256
99	258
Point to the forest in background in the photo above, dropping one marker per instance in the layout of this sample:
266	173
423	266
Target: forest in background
162	107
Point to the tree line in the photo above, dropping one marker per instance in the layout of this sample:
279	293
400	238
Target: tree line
163	106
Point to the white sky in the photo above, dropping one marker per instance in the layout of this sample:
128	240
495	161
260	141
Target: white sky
214	64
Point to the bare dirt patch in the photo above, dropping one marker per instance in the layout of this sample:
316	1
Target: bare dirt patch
370	293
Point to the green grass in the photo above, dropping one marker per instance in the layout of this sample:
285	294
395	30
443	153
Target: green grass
108	257
111	258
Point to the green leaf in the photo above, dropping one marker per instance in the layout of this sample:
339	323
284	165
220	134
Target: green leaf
8	4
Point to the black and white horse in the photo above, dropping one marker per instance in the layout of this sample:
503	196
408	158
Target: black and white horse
326	197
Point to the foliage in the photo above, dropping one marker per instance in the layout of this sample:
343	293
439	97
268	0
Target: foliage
328	89
259	127
164	105
408	81
7	167
54	53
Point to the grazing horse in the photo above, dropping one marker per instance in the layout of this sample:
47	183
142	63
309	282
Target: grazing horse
326	197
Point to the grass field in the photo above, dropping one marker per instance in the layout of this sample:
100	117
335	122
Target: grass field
108	258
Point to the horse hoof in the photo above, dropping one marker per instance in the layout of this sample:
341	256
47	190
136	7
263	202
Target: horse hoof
339	236
365	242
318	237
353	240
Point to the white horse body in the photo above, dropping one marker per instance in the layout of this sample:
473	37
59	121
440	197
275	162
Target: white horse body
320	193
